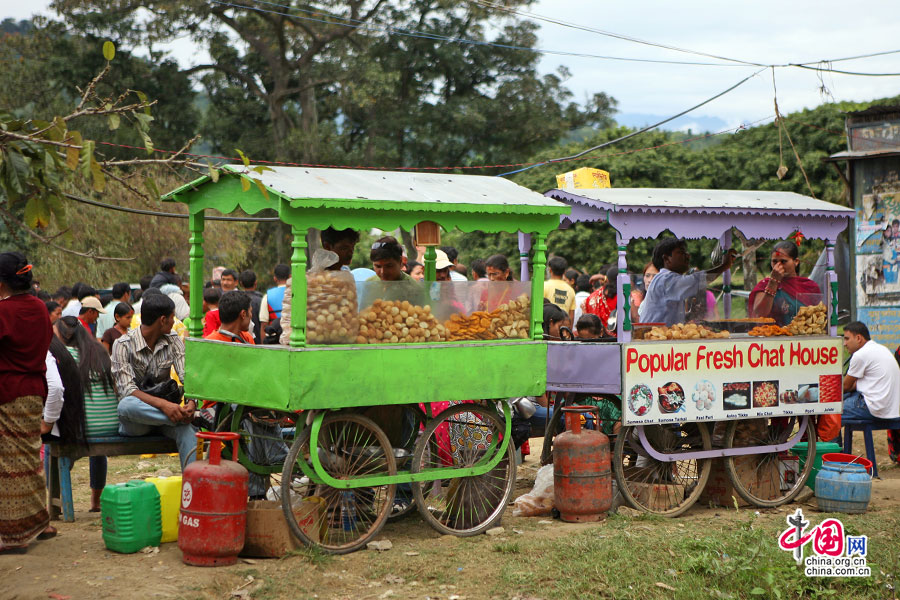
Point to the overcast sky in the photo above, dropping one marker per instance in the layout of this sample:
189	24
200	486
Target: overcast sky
761	31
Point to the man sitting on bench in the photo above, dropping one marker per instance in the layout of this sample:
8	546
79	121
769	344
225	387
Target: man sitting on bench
153	349
872	382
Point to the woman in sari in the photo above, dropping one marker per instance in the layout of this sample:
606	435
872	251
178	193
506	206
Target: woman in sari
781	295
25	335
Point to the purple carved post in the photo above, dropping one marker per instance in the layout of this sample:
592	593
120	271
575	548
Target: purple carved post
623	294
524	249
725	242
831	294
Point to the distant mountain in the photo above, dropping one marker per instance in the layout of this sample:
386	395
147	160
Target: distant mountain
696	123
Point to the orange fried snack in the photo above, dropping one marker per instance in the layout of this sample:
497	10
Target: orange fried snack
769	331
507	321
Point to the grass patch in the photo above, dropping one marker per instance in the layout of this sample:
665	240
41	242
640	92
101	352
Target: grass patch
713	559
507	548
312	555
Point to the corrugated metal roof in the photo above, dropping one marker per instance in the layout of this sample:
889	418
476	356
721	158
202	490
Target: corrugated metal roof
398	186
699	200
855	154
875	111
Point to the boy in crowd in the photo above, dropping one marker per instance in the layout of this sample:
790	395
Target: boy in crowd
556	290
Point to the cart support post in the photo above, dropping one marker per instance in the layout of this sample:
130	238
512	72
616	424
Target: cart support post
298	288
725	242
537	286
623	290
524	249
832	291
196	224
430	260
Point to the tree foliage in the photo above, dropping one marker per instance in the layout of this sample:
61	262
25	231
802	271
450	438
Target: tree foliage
361	82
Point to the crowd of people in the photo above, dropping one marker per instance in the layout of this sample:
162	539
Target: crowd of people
78	364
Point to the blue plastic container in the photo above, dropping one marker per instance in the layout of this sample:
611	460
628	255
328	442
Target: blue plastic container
843	487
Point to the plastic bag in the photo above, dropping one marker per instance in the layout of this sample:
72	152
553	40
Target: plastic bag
539	501
331	309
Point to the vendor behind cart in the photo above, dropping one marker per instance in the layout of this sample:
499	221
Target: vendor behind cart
781	294
666	296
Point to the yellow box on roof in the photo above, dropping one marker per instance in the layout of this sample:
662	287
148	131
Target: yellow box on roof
583	178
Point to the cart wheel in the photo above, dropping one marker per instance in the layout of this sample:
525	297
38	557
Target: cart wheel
266	436
463	506
662	488
339	520
772	478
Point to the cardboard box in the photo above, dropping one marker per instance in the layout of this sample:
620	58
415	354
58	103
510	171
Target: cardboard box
268	535
658	496
720	492
584	178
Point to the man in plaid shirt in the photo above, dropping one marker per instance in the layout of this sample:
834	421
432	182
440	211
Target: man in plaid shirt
152	349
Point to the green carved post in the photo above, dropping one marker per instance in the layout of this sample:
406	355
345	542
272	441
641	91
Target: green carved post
430	260
298	288
537	286
196	224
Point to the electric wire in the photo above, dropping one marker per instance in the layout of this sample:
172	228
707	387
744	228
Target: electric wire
153	213
841	72
611	34
640	131
578	26
359	24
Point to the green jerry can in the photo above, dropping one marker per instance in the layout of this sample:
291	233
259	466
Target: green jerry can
130	513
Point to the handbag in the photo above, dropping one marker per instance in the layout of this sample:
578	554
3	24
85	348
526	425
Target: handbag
167	390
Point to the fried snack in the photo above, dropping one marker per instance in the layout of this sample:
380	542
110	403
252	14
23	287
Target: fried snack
507	321
769	331
331	315
810	320
682	331
399	322
749	320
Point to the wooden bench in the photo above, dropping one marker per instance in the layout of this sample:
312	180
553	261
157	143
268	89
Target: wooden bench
867	427
61	458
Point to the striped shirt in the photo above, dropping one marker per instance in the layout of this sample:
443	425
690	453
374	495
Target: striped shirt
100	404
132	359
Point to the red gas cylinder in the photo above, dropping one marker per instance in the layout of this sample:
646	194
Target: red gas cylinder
582	487
213	506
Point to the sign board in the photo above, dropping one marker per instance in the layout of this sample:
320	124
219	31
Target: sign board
680	381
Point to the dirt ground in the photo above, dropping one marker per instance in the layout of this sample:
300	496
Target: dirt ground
421	564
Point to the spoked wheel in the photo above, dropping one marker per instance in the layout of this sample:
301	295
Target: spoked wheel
772	478
339	520
463	506
659	487
266	436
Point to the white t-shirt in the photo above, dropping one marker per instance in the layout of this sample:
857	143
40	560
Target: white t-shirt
580	297
877	379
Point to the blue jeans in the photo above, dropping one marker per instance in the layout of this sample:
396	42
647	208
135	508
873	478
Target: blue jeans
137	418
855	407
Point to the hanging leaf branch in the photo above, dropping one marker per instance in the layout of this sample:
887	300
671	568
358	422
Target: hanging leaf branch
39	157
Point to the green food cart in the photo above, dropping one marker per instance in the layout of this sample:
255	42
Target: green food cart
343	469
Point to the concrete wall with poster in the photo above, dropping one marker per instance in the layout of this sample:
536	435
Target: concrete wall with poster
874	137
674	382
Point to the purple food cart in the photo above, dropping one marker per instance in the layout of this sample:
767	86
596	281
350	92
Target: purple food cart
745	399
